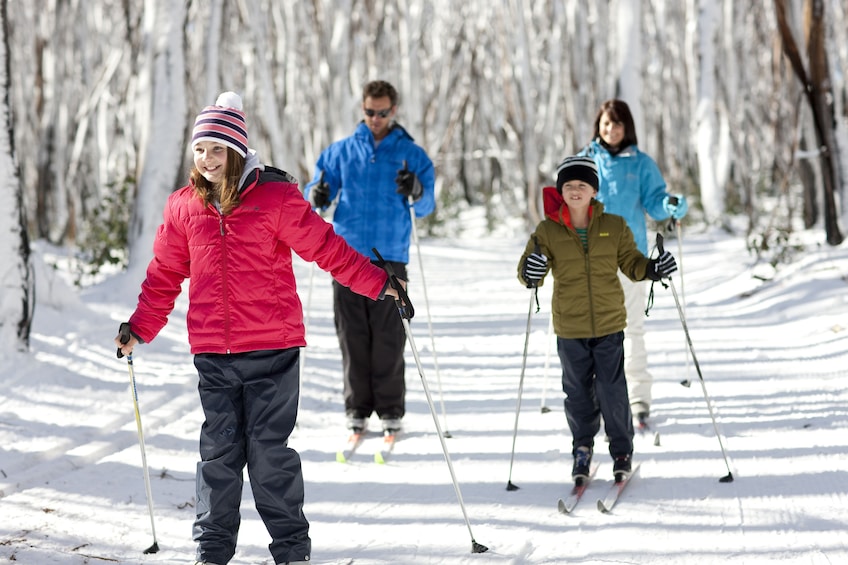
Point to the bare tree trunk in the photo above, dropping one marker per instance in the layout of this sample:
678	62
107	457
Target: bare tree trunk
523	110
706	120
817	89
807	176
17	297
163	154
496	92
629	58
822	105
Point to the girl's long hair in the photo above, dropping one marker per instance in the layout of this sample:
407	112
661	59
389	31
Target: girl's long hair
227	191
619	112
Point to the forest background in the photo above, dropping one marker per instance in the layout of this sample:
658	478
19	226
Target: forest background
744	105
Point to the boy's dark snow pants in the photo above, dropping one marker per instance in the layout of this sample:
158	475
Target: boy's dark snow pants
250	403
594	384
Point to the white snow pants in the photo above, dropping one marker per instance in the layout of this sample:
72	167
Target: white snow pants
639	380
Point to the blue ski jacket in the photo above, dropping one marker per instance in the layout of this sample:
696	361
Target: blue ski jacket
630	185
369	212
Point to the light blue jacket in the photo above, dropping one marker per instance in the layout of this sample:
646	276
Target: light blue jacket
630	185
370	213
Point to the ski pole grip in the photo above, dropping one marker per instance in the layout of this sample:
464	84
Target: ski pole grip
124	333
660	247
404	305
673	200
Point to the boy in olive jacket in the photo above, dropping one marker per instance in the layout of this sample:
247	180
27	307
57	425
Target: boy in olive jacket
584	248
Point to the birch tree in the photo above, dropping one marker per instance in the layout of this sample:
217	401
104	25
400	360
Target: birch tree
497	93
17	298
629	58
165	146
837	46
815	77
706	129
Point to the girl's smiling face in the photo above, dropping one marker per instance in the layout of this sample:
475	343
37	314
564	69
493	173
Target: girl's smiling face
210	158
611	132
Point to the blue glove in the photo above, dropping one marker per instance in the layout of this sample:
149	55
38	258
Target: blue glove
675	205
535	267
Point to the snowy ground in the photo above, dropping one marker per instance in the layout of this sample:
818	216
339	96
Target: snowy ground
772	354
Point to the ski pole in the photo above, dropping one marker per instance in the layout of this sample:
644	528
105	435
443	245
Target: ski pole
429	318
125	337
427	307
544	408
406	312
308	308
307	311
672	224
533	295
729	477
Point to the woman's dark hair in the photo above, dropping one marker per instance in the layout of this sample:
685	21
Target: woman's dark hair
227	191
618	112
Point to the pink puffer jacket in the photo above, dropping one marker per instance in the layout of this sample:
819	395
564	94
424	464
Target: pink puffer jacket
242	292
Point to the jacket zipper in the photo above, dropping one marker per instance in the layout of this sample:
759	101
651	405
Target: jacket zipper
587	264
224	285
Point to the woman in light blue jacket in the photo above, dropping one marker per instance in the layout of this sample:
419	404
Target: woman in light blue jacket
631	186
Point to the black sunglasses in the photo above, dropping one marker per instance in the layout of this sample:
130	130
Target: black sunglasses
370	112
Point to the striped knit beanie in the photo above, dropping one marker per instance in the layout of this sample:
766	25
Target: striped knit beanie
223	123
577	168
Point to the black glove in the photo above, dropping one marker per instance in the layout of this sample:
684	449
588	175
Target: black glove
124	333
408	184
535	267
319	196
662	267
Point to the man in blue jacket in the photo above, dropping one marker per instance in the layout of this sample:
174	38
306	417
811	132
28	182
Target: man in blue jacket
376	174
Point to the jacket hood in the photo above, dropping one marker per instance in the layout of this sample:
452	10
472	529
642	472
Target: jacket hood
251	164
556	209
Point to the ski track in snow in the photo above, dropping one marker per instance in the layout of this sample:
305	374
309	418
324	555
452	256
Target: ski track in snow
772	357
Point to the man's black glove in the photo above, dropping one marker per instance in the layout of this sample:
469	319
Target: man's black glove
662	267
535	267
319	196
408	184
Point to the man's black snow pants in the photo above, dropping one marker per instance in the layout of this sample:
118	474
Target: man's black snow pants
372	341
250	403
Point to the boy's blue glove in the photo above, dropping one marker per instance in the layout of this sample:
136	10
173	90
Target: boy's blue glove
675	205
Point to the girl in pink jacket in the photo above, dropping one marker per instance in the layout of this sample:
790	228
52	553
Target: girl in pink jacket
231	231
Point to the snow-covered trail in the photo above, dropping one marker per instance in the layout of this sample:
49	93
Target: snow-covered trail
772	356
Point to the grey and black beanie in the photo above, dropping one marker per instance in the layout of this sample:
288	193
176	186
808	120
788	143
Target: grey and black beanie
577	168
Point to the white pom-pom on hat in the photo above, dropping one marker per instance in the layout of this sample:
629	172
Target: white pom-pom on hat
229	100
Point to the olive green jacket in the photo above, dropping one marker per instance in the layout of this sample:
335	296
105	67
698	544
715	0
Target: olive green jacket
588	300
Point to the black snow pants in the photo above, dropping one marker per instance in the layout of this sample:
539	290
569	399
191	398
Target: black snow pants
372	341
250	404
594	385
